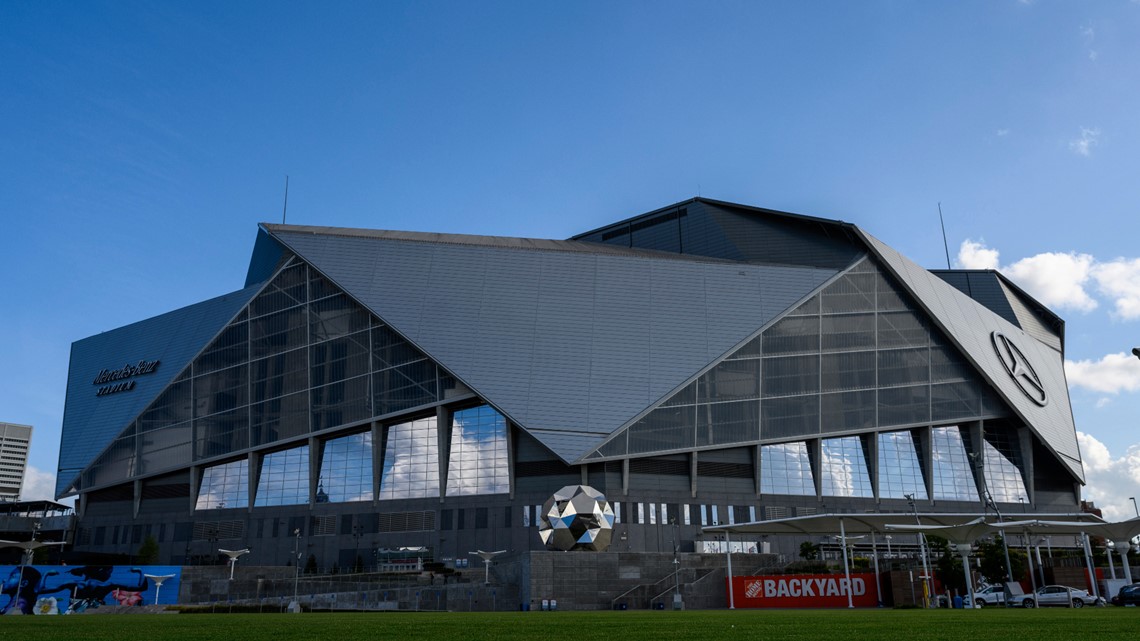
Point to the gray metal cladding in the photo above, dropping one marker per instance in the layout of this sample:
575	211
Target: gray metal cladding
569	343
984	287
92	422
971	326
1029	320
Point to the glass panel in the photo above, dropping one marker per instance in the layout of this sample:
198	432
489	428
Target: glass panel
279	418
847	371
843	468
844	332
224	486
724	423
335	317
808	307
730	380
411	463
338	359
904	367
687	395
406	386
172	406
166	448
346	469
790	416
852	292
900	472
221	434
955	401
946	364
340	403
902	329
791	375
279	375
284	478
792	335
278	332
953	479
230	348
848	411
786	469
389	350
287	290
1002	473
904	405
221	391
478	460
665	428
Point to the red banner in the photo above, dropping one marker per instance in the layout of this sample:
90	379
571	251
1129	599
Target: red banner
804	591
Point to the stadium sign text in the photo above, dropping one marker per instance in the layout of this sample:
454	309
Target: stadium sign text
112	381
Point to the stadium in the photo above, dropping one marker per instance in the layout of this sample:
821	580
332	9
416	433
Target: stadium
369	392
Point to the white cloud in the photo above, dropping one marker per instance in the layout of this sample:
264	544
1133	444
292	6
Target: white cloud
972	255
1119	279
1002	133
38	485
1093	54
1055	279
1089	138
1103	402
1110	481
1112	374
1088	32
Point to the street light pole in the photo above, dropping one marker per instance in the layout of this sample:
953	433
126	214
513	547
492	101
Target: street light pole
295	606
927	591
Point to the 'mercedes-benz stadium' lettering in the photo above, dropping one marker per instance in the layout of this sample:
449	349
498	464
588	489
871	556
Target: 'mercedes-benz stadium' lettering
107	377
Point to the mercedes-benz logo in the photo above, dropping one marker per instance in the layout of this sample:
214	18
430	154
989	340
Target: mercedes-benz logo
1019	369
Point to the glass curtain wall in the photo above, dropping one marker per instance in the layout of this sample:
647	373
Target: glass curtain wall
302	357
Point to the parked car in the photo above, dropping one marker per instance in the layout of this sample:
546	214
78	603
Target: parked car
1060	595
1128	595
990	595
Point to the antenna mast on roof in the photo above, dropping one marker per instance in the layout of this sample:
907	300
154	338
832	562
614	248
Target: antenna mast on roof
285	208
945	245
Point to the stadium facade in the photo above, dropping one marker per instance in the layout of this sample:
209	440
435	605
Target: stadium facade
703	363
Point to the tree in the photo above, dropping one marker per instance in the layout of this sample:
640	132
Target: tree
948	564
311	565
991	555
809	551
148	551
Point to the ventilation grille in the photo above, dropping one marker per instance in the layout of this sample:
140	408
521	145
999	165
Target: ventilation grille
658	466
323	526
124	492
218	530
724	470
174	491
543	468
407	521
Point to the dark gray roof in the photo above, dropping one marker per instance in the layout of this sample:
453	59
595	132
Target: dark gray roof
569	339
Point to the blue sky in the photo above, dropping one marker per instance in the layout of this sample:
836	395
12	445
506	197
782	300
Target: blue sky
143	141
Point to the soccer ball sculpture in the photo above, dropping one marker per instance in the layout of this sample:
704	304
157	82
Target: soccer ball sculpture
577	517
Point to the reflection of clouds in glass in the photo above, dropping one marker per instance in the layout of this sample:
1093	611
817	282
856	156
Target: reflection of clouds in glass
844	468
1003	479
411	463
899	471
284	478
478	460
346	468
785	469
224	486
953	479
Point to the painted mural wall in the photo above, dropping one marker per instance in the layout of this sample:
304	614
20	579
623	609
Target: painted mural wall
63	589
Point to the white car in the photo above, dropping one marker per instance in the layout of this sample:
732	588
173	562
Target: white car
991	595
1060	595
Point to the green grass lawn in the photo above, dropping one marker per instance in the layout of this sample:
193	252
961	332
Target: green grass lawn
824	625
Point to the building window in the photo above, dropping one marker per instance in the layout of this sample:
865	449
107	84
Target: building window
900	472
224	486
686	515
478	460
786	469
953	478
346	468
284	478
411	461
844	468
1003	478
